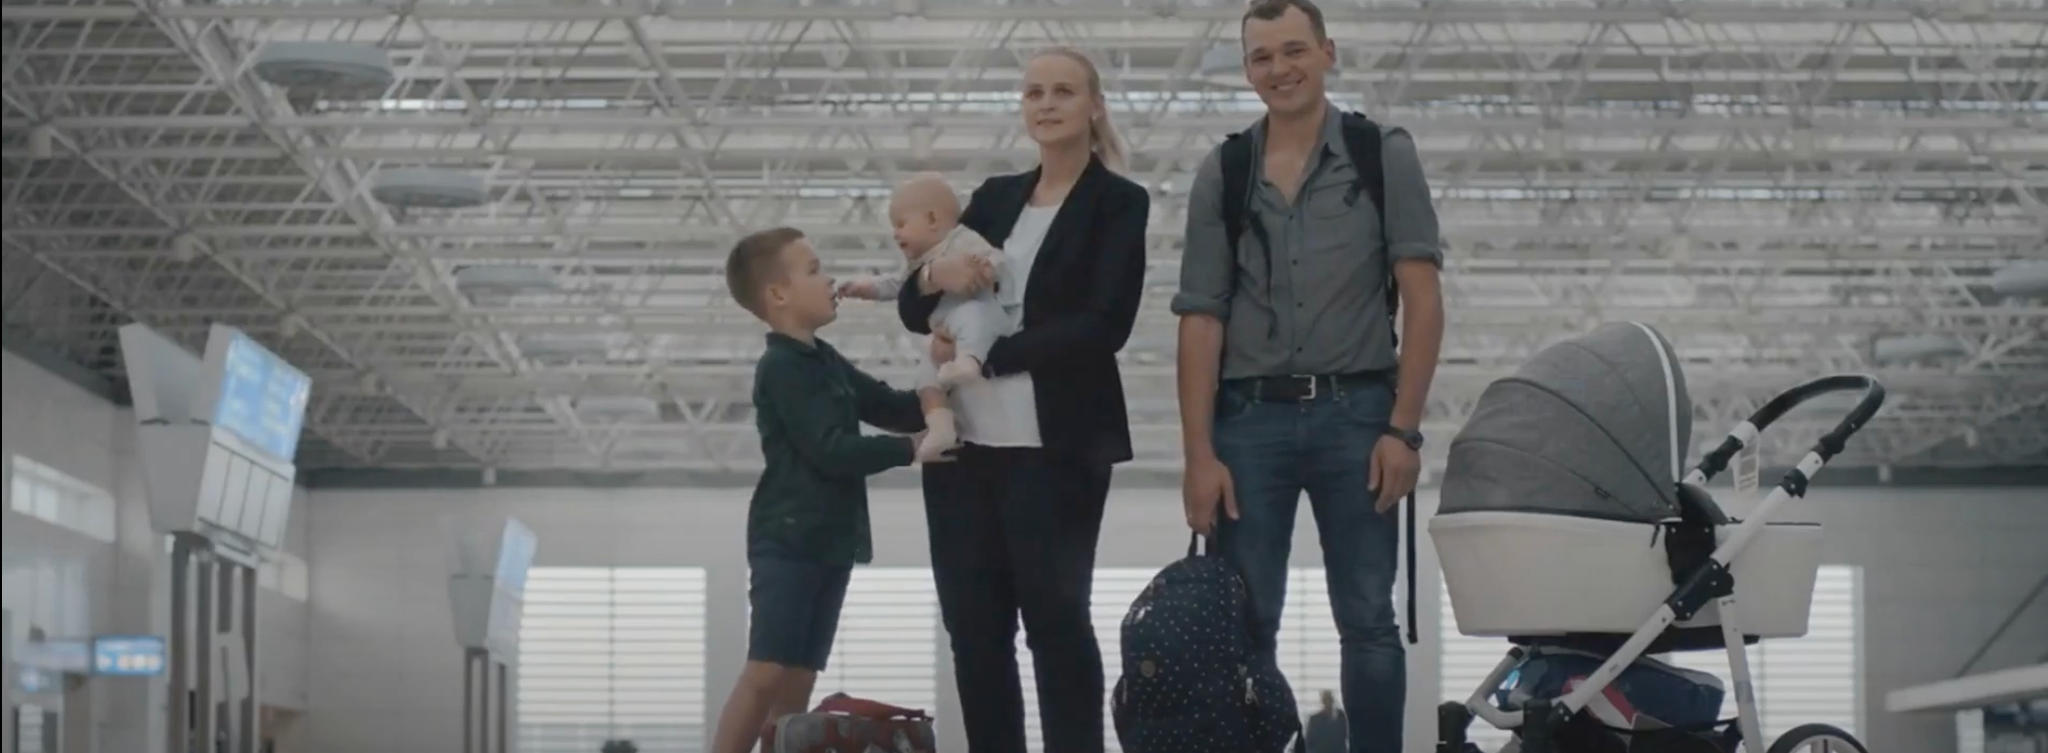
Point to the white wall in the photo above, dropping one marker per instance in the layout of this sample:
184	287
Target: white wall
1941	568
74	586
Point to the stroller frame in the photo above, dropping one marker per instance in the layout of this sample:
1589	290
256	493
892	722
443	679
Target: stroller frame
1711	582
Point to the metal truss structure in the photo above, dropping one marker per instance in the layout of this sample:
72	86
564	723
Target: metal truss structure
1774	186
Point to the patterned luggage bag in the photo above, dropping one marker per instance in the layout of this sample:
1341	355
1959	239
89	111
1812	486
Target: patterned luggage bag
844	724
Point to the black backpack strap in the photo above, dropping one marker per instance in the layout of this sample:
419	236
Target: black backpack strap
1362	141
1237	155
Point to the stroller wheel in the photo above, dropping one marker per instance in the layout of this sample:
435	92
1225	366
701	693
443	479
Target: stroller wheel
1817	738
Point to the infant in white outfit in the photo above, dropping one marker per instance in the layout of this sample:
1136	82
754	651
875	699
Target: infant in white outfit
926	216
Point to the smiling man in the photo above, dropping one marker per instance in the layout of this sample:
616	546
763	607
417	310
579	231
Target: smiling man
1299	232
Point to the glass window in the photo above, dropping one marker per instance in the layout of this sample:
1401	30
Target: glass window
612	652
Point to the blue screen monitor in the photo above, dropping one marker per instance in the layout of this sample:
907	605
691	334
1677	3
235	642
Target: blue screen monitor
515	556
131	655
262	398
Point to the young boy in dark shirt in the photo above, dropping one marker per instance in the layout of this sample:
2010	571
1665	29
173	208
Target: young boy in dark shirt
808	522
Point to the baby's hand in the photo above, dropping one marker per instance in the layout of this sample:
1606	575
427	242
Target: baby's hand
862	289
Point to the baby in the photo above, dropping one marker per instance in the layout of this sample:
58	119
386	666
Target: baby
926	215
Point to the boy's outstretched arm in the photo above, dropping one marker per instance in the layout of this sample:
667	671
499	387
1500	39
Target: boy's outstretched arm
802	401
885	407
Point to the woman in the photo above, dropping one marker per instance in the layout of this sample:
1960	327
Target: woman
1013	523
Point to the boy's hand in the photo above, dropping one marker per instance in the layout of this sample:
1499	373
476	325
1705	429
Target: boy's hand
925	450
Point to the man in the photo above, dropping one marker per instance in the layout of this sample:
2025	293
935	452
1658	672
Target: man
1289	380
1326	727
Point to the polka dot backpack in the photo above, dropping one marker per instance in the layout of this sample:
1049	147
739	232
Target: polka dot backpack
1191	682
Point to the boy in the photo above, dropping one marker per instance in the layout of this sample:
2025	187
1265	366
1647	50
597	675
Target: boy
807	524
926	217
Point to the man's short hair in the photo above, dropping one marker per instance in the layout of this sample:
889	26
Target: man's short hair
1268	10
755	262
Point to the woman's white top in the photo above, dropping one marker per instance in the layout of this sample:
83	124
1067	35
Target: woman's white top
1003	412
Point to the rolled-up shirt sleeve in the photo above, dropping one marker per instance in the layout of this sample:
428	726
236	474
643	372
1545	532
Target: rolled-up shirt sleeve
1411	218
1206	261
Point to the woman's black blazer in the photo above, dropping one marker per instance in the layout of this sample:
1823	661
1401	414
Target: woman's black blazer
1079	304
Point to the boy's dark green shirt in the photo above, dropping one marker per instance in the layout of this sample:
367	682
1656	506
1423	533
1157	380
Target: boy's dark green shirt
809	402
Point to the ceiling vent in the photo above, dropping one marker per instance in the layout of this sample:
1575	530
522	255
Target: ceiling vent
429	188
1911	348
325	65
503	283
2021	280
563	348
618	409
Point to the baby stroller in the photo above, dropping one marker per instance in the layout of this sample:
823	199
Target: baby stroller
1565	529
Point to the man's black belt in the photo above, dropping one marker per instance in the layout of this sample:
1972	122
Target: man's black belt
1295	388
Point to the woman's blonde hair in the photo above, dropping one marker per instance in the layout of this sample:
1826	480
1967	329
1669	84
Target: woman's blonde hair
1102	136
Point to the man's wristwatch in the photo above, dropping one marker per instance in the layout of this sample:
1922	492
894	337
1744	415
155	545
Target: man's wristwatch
1410	437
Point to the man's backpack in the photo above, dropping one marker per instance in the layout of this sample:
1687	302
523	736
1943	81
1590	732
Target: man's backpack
1362	143
1191	681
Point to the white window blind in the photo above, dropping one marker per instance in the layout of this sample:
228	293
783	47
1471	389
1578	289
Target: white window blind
1310	650
1813	678
1810	679
1462	662
1113	591
55	497
612	653
886	648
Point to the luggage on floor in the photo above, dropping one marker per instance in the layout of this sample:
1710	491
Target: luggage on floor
844	724
1191	682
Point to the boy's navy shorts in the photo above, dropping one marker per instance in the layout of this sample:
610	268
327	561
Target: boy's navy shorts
796	602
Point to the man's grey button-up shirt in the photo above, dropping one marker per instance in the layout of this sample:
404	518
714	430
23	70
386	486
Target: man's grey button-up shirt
1323	310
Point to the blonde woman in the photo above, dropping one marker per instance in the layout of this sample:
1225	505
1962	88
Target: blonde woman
1014	522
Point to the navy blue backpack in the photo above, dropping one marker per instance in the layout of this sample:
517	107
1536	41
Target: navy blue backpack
1191	682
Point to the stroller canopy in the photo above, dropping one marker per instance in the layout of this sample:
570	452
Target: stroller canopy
1595	426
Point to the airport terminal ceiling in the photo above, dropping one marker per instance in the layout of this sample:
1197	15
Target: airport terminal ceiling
494	237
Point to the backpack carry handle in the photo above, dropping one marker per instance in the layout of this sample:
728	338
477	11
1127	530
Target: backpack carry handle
1195	539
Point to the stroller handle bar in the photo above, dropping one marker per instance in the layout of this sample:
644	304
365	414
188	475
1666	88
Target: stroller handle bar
1829	445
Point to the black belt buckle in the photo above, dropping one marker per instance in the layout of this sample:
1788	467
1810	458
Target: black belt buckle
1313	383
1267	388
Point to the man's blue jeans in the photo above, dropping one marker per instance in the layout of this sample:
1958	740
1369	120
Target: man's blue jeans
1277	450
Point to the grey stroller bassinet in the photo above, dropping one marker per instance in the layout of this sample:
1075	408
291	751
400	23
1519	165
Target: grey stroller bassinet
1570	526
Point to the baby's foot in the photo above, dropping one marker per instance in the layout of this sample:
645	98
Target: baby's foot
958	371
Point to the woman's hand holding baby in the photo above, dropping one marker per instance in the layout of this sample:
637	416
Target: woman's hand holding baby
961	275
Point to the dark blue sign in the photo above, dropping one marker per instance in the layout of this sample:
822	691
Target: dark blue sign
262	398
135	655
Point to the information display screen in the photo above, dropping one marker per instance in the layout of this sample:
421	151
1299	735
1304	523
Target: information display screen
138	655
515	556
262	398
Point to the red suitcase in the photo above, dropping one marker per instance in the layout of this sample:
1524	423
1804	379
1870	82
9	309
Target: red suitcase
844	724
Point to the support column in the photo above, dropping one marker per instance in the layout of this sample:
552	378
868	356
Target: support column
725	628
178	727
952	729
203	628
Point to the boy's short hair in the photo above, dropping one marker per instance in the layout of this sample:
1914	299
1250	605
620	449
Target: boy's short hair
1268	10
755	262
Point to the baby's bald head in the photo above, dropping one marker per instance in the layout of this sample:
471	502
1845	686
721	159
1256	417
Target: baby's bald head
923	209
926	192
